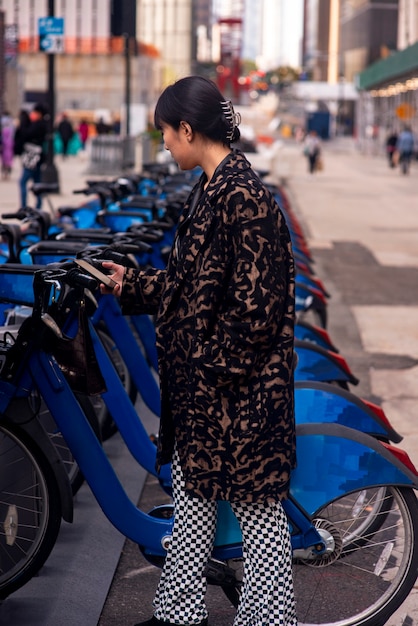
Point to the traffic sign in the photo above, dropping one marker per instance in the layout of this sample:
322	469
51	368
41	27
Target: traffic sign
51	34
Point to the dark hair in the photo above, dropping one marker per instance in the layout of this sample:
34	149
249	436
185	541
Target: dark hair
197	101
24	118
41	108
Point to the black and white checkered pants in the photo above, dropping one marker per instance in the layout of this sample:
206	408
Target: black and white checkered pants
267	593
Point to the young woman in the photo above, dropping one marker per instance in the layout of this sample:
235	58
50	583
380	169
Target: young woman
224	320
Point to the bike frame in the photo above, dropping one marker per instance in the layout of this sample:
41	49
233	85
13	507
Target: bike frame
109	312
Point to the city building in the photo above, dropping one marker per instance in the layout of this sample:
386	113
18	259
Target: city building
388	88
343	37
321	41
167	40
98	44
407	23
368	32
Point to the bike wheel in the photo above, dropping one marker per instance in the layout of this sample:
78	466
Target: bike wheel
30	510
74	473
107	425
370	572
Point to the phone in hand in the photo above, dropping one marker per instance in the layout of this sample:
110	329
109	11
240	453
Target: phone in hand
93	271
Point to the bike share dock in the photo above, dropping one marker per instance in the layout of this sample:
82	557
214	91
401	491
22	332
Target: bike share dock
361	221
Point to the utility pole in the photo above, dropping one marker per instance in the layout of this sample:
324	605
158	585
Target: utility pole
127	41
48	169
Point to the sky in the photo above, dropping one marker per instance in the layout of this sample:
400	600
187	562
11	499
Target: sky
281	42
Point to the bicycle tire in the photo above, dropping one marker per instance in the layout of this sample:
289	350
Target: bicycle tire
30	508
74	473
369	511
107	424
364	582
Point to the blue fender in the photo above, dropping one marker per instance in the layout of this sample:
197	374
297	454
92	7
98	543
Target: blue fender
311	281
334	460
304	331
317	363
307	298
317	401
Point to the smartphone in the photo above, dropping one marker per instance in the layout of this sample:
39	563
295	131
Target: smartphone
93	271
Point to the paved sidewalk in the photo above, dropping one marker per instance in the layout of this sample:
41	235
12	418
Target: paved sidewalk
72	173
361	219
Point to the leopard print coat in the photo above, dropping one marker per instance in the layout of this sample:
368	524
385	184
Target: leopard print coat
224	323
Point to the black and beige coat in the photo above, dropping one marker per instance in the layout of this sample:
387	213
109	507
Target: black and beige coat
224	320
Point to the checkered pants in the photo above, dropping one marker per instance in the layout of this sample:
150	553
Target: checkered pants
267	593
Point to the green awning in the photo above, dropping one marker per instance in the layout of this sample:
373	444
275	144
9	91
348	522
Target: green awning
398	65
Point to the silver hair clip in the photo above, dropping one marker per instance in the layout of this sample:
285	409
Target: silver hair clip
233	119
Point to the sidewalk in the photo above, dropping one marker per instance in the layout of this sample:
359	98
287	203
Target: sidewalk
361	219
72	174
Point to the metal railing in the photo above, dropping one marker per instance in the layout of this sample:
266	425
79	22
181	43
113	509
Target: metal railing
111	154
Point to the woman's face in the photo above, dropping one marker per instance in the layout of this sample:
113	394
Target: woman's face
178	143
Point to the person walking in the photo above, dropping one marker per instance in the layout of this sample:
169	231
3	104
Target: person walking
224	324
391	142
30	144
83	131
65	131
312	150
7	145
405	147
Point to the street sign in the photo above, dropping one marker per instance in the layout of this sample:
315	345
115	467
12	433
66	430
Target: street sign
51	34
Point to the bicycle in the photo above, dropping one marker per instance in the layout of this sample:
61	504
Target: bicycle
329	520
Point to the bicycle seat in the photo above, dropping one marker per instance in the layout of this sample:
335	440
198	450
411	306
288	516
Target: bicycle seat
40	188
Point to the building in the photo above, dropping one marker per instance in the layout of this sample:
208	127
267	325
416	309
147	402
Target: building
321	41
407	23
343	37
166	39
368	32
388	88
167	26
91	72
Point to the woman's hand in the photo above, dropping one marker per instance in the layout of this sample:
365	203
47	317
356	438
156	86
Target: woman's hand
117	276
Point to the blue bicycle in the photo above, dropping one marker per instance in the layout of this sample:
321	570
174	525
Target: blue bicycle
354	534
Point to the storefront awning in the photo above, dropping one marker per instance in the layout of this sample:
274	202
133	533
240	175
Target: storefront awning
397	66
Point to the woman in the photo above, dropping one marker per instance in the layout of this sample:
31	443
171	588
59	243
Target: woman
224	320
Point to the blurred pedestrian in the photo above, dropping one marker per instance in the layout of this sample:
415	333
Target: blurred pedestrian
405	147
30	143
312	150
83	131
225	317
116	126
102	128
7	145
391	142
65	131
23	123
